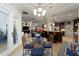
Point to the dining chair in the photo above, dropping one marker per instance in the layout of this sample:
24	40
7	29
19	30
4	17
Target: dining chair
26	46
49	47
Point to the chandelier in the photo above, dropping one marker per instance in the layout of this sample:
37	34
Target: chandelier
39	12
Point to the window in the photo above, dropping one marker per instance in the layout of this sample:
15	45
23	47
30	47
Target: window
3	31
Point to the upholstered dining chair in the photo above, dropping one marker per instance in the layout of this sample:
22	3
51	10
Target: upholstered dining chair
26	46
49	47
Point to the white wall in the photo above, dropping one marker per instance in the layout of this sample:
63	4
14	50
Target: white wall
69	29
13	15
48	26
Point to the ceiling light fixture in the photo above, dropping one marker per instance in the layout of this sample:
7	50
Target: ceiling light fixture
43	13
39	9
39	15
39	12
35	12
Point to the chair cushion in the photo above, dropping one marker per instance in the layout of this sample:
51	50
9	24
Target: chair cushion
37	51
28	46
69	52
47	46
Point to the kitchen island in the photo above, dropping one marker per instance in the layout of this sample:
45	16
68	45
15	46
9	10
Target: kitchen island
57	36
